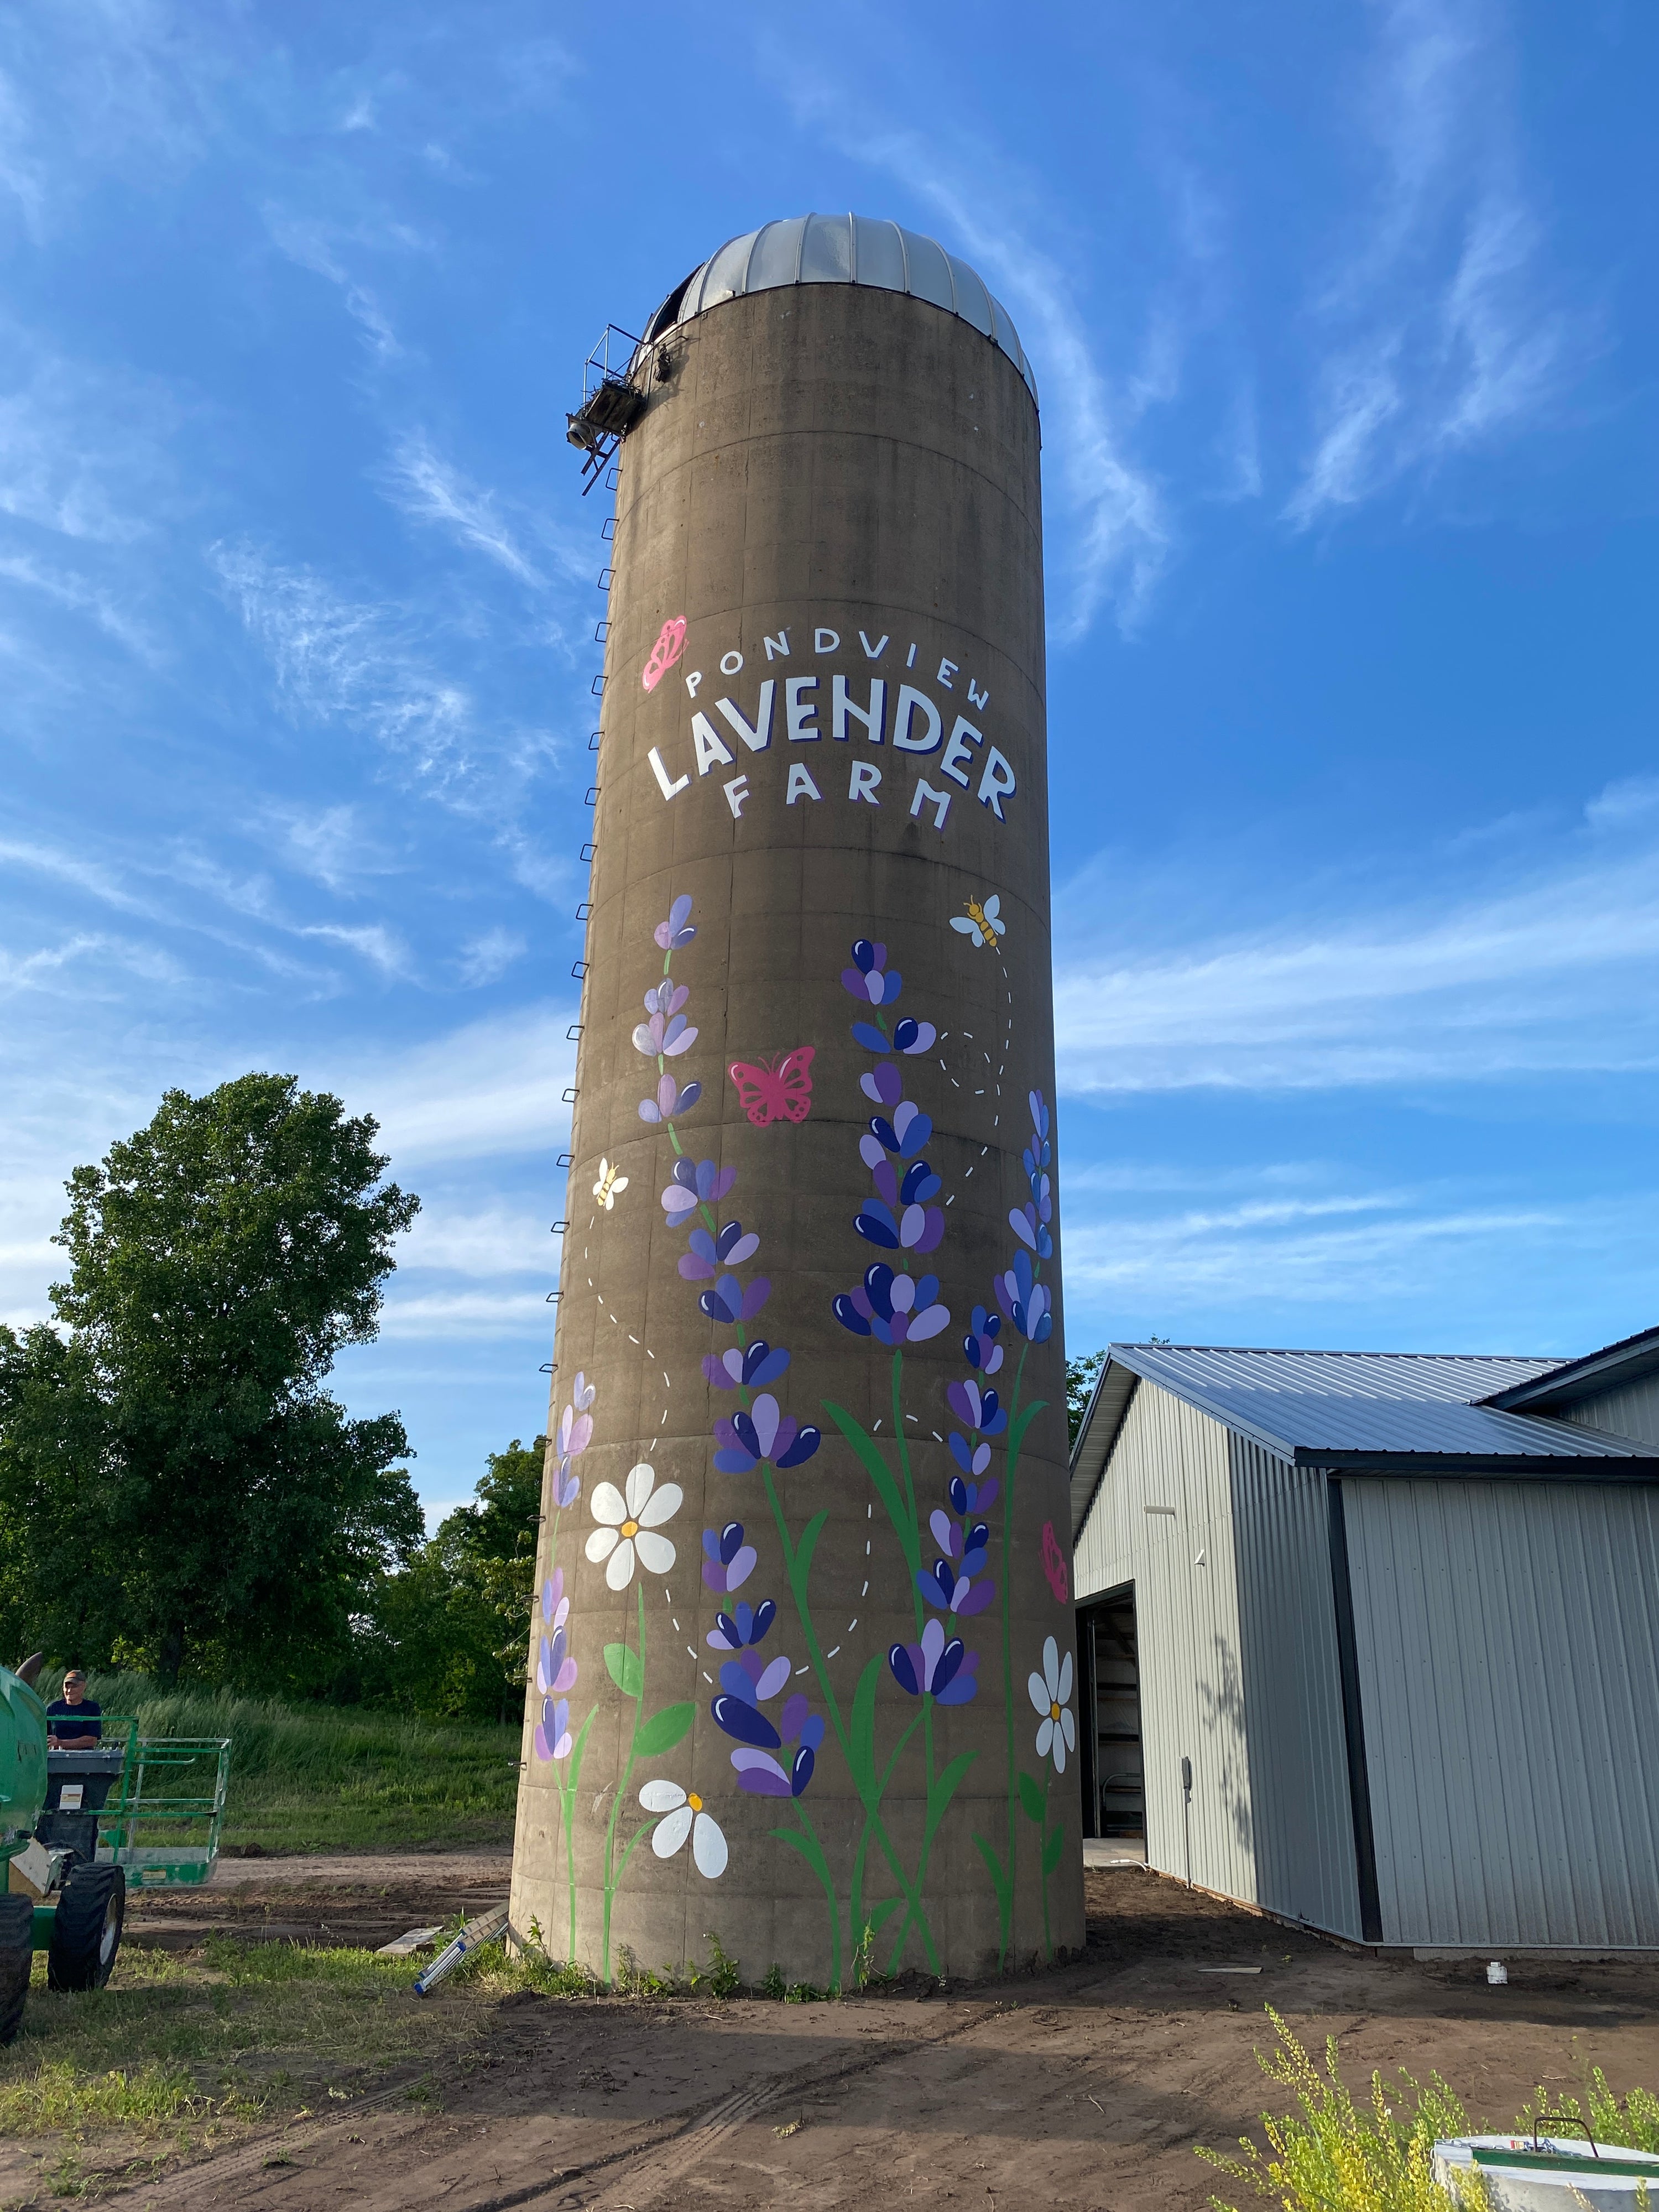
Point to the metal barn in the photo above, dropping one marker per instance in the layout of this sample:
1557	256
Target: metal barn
1372	1640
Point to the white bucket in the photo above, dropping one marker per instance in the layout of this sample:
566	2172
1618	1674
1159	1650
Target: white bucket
1552	2174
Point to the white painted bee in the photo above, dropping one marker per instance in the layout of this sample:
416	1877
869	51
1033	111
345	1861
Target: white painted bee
982	923
610	1186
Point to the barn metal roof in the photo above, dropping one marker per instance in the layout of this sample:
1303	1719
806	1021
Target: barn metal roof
1377	1413
843	249
1614	1367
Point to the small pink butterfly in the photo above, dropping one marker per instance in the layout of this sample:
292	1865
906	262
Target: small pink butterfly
778	1091
670	643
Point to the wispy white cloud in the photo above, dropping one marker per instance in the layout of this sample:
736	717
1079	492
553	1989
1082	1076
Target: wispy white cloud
369	664
481	1242
492	1088
466	1313
381	947
53	967
354	659
36	856
22	172
1116	533
426	486
149	885
486	959
312	244
111	86
82	453
1550	971
1438	331
66	589
328	843
1380	1249
1301	1251
1631	802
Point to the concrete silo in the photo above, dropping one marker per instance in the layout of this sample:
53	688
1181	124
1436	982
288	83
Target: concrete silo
802	1641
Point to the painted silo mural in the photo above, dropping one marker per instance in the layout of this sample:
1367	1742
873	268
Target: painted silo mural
803	1673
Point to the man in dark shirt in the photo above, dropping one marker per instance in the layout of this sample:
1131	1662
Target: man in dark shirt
72	1721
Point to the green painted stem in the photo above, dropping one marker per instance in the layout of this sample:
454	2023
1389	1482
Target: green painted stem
812	1852
611	1880
1048	1936
855	1903
913	1549
871	1799
568	1796
1007	1905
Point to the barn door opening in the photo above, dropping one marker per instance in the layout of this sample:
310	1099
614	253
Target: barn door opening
1114	1792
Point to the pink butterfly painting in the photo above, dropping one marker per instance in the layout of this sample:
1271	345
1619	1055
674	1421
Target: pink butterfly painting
670	645
779	1090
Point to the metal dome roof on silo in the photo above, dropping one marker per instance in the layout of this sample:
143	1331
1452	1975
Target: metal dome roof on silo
844	249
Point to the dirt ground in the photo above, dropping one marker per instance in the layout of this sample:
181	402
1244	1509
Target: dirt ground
1084	2087
354	1899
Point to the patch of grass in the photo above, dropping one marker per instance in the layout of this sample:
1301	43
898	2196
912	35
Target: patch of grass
182	2049
234	2028
57	2095
330	1777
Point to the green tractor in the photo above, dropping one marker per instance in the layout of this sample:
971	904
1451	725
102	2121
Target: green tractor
60	1897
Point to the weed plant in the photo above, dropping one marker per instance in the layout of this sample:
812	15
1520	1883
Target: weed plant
1631	2122
1333	2155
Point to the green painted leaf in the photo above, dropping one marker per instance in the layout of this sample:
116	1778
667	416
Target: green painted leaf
863	1739
879	1473
663	1730
574	1762
1030	1796
803	1561
810	1851
993	1859
1052	1849
878	1916
623	1663
945	1786
1021	1422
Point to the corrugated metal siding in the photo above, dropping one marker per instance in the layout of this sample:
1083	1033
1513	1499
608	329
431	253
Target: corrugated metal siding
1293	1693
1508	1638
1254	1703
1186	1629
1632	1411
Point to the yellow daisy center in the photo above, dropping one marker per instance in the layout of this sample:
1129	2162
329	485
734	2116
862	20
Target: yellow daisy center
1054	1712
630	1527
694	1802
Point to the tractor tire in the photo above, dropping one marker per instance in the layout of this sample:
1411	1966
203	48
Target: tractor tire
17	1924
86	1934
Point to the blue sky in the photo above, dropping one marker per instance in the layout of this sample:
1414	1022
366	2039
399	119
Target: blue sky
1344	323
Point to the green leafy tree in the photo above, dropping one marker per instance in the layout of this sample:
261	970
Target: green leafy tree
1081	1375
446	1637
176	1486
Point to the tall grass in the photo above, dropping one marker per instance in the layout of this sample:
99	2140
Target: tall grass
324	1778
